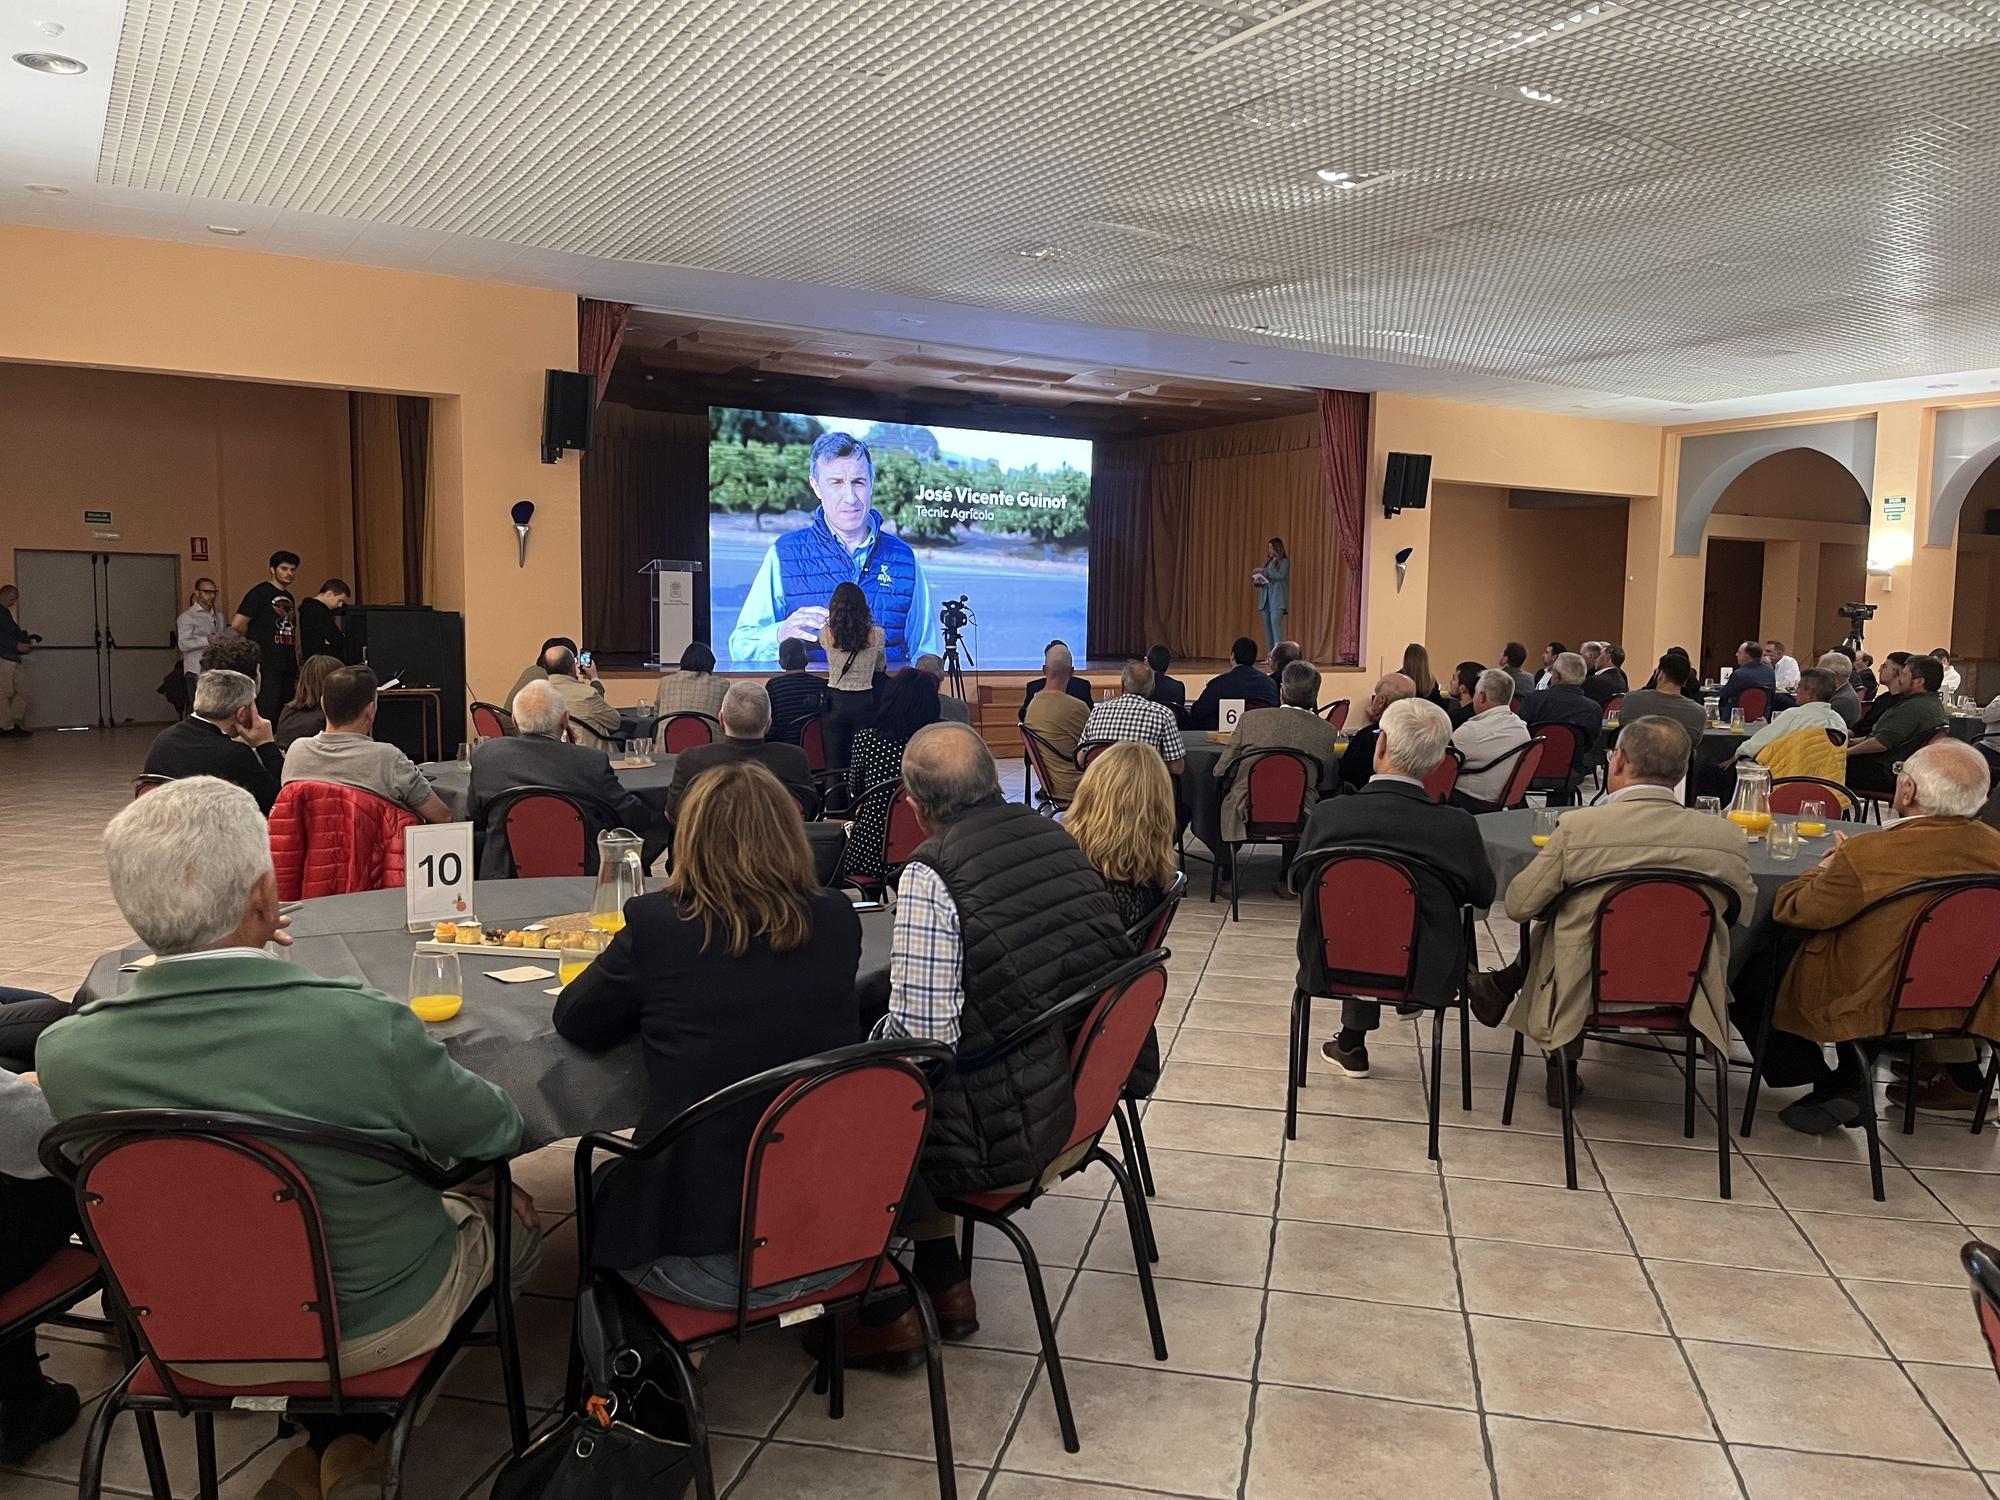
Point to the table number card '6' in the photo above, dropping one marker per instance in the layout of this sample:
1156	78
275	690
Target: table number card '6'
437	873
1229	713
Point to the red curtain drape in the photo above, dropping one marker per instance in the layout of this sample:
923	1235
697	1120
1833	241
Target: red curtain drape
1343	450
600	329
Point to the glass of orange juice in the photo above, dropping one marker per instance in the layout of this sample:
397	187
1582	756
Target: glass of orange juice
1812	820
579	950
1545	826
436	988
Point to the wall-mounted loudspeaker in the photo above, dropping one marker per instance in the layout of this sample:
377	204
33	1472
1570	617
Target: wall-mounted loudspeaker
1407	483
569	408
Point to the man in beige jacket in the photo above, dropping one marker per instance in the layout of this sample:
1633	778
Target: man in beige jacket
1642	825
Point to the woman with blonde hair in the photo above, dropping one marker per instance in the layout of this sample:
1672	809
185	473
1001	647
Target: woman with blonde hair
303	715
1123	820
742	963
1417	667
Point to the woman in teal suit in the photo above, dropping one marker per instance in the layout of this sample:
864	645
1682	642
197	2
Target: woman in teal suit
1274	592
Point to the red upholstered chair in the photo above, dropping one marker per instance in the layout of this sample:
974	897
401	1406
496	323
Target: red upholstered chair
1755	704
1335	713
1982	1264
1360	921
1614	705
1790	793
1147	934
812	740
829	1167
1041	752
1280	781
1523	762
901	835
1089	750
1951	953
683	731
170	1198
329	840
1564	759
1650	938
1112	1018
491	722
547	832
1444	775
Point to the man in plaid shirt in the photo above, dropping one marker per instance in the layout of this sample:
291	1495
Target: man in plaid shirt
1133	715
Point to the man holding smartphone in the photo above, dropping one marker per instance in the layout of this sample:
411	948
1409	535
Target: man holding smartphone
592	719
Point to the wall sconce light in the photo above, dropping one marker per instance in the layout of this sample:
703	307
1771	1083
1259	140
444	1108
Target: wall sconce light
524	514
1402	566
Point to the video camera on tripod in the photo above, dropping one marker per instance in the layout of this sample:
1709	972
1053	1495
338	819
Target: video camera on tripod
954	615
1856	615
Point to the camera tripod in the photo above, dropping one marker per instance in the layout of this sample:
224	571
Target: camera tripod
954	674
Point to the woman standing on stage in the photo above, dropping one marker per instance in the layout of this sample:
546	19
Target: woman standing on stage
1274	592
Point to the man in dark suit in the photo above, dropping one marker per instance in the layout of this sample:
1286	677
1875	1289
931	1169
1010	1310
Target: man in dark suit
1394	812
1169	692
1751	671
1609	680
1563	702
1242	680
1512	655
1282	656
746	719
225	736
537	756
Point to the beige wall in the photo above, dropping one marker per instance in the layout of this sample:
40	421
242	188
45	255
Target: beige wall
252	468
1491	566
480	348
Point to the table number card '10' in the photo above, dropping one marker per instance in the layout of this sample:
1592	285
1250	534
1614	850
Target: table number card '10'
437	873
1229	713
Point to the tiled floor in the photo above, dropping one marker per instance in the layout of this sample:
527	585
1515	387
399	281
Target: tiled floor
1344	1317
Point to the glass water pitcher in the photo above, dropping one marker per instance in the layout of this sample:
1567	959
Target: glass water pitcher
621	875
1751	809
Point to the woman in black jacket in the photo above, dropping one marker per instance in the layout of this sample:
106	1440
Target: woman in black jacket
741	964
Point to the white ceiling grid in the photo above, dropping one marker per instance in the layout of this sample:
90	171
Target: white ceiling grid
1696	199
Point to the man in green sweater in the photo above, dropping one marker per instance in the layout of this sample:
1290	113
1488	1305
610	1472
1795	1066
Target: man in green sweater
217	1023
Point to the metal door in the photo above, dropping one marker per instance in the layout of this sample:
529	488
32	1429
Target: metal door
59	603
141	594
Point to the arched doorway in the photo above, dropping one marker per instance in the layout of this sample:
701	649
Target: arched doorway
1975	606
1786	546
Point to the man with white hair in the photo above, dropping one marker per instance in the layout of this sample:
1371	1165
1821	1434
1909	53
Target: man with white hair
219	1024
1394	812
1292	725
951	710
537	756
746	719
1564	702
1133	715
1490	733
1357	763
225	736
1845	701
1838	987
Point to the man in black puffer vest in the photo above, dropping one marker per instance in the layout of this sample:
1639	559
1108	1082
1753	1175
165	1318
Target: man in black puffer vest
999	916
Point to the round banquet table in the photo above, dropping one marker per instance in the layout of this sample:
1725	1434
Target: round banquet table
1509	849
452	782
505	1032
1201	793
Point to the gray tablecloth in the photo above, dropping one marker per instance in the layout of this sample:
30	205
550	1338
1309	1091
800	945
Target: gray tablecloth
1201	793
451	782
1509	850
505	1032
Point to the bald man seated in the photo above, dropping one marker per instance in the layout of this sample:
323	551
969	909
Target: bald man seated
1358	763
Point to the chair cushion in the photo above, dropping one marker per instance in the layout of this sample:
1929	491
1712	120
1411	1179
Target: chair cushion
68	1270
688	1324
391	1384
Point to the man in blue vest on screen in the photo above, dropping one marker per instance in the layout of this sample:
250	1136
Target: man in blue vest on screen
844	544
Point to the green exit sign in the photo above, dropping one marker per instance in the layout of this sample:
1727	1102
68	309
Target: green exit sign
97	518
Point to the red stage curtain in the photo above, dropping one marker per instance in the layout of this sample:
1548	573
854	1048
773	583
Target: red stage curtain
600	329
1343	450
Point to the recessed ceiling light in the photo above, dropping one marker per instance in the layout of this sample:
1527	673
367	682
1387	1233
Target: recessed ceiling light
1540	96
1395	333
1042	252
51	28
1256	398
50	62
1239	361
227	229
1335	176
1950	387
48	189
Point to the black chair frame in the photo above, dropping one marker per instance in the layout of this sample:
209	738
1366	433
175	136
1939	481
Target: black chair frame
1504	758
1844	797
1038	746
922	1059
506	719
1561	791
1863	1049
1065	1014
257	1137
842	876
1602	1025
1283	835
1148	933
1303	876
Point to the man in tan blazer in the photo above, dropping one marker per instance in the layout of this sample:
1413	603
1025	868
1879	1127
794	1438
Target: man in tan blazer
1292	725
1837	985
1641	826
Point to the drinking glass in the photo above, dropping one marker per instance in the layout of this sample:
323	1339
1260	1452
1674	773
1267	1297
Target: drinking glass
1545	826
579	950
436	988
1710	805
465	757
1736	721
1812	820
1782	837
